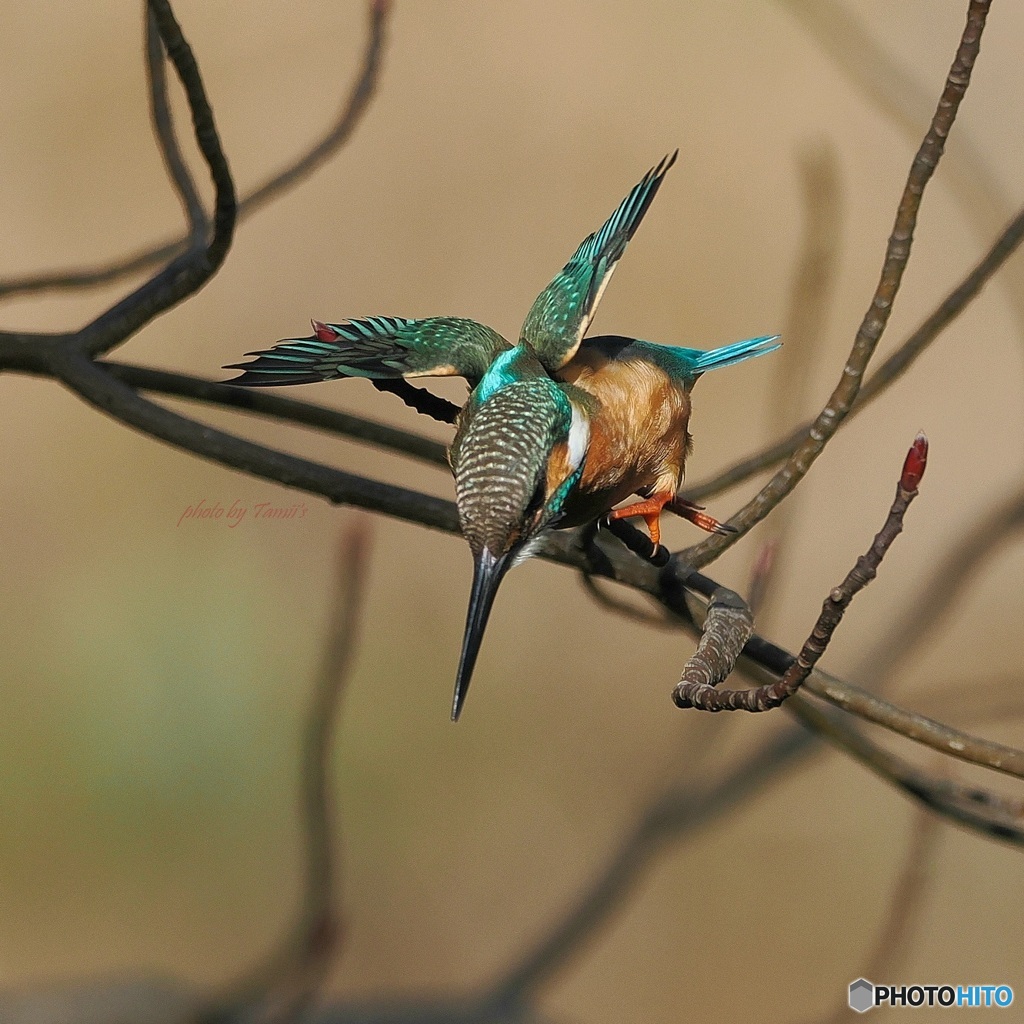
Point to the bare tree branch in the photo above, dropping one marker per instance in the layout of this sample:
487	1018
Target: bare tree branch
336	137
278	407
163	128
870	331
187	273
917	727
888	373
902	99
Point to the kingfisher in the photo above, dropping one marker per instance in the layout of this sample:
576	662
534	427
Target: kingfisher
557	430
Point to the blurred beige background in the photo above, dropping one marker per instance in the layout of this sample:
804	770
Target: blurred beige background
154	674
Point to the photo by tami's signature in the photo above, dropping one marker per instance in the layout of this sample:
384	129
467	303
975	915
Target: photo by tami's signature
238	511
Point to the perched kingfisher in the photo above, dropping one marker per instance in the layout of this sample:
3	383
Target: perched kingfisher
557	430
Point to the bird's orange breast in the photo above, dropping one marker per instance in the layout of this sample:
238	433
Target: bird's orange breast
638	435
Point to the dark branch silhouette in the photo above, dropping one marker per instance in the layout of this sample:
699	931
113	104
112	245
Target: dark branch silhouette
297	171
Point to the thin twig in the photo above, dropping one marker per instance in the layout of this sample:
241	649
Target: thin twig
893	90
917	727
304	165
897	254
163	128
696	688
888	373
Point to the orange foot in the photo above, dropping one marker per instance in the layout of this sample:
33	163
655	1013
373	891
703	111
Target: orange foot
697	515
650	510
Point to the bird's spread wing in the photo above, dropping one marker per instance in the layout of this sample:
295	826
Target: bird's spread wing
562	313
378	347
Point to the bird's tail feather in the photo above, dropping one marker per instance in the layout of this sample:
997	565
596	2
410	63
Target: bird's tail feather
729	355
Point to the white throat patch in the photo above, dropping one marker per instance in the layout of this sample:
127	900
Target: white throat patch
579	437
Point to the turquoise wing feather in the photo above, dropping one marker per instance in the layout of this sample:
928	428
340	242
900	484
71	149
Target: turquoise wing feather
562	312
378	347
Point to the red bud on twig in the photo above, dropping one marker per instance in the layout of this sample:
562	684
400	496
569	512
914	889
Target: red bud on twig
915	463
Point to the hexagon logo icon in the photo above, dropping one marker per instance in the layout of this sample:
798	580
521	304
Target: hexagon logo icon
862	995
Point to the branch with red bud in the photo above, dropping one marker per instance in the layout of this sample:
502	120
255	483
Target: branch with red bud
697	686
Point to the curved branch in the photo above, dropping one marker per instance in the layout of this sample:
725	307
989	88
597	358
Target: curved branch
163	128
187	273
722	634
260	196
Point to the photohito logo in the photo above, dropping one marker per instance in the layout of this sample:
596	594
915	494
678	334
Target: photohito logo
864	995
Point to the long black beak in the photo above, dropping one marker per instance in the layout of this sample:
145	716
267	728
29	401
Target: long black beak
488	572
